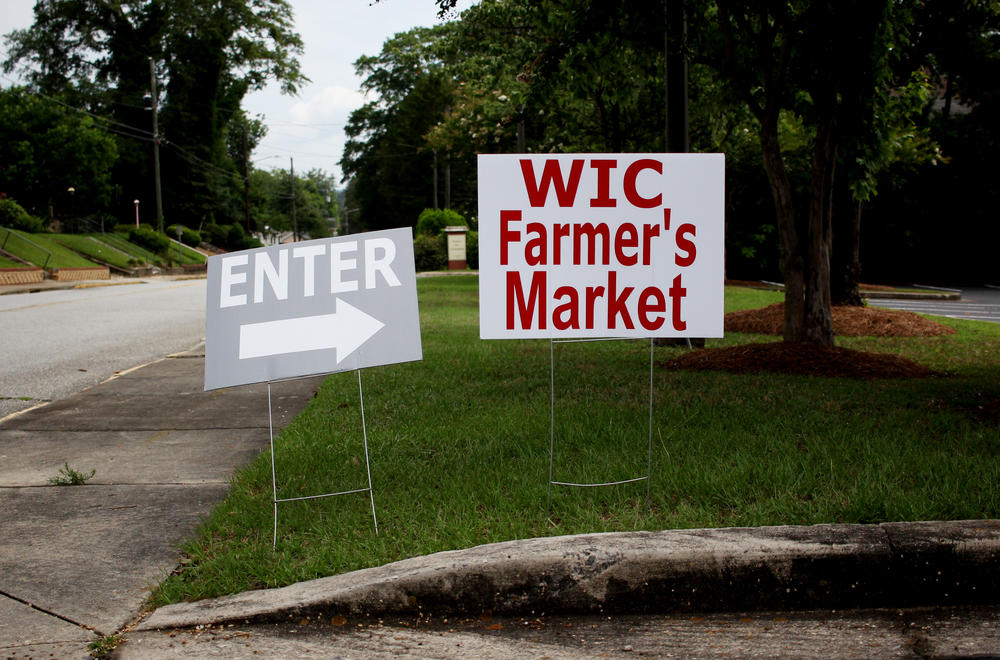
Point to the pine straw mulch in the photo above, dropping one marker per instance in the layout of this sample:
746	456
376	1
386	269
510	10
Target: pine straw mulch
847	322
803	359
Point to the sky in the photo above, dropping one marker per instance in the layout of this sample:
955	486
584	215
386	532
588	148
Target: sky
309	127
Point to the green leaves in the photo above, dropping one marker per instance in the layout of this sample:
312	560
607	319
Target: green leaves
96	55
47	148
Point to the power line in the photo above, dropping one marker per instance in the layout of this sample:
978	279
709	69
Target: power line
295	152
297	124
107	120
133	132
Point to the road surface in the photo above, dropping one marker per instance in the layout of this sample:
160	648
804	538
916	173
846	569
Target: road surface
976	305
56	343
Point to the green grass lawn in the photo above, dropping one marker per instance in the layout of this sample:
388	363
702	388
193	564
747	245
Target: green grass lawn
72	250
10	263
460	449
188	256
93	246
120	241
117	251
26	246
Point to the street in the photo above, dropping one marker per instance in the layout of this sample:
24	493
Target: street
977	304
59	342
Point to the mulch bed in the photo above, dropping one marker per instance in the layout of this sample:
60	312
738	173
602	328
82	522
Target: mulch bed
847	322
803	359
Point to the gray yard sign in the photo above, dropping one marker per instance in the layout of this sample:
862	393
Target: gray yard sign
313	307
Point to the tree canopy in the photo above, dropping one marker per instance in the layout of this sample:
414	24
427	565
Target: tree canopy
56	162
205	57
826	111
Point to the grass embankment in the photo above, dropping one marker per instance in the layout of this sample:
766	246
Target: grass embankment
10	263
33	247
92	246
460	449
115	249
73	250
188	256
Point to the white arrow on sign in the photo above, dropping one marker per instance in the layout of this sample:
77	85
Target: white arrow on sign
345	330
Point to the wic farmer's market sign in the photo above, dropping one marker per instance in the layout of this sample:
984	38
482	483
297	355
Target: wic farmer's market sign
601	245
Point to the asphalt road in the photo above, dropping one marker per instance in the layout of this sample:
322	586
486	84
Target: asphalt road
56	343
979	304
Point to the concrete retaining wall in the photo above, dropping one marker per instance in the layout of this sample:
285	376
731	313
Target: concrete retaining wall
78	274
21	275
189	269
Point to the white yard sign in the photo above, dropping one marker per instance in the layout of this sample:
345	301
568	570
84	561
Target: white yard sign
601	245
312	307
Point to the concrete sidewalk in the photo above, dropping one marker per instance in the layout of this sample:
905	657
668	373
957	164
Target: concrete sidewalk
76	562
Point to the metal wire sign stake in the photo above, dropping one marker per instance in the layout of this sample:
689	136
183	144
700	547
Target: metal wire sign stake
552	429
311	308
591	247
274	478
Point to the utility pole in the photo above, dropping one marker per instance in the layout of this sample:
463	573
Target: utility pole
447	181
676	137
156	145
434	166
295	224
246	180
521	141
675	34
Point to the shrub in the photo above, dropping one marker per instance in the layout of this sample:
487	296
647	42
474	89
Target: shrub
14	216
237	239
214	234
145	236
188	236
433	221
430	252
229	237
472	249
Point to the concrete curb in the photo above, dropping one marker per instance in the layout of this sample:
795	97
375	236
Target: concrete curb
703	570
910	295
55	285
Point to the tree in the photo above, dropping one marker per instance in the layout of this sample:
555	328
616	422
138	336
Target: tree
820	82
207	57
271	202
214	54
47	148
393	169
933	216
243	134
556	76
825	62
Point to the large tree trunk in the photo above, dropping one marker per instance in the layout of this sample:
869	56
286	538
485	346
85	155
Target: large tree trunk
818	318
805	245
792	257
845	261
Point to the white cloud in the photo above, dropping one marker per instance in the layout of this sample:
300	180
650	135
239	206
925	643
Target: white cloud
329	104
